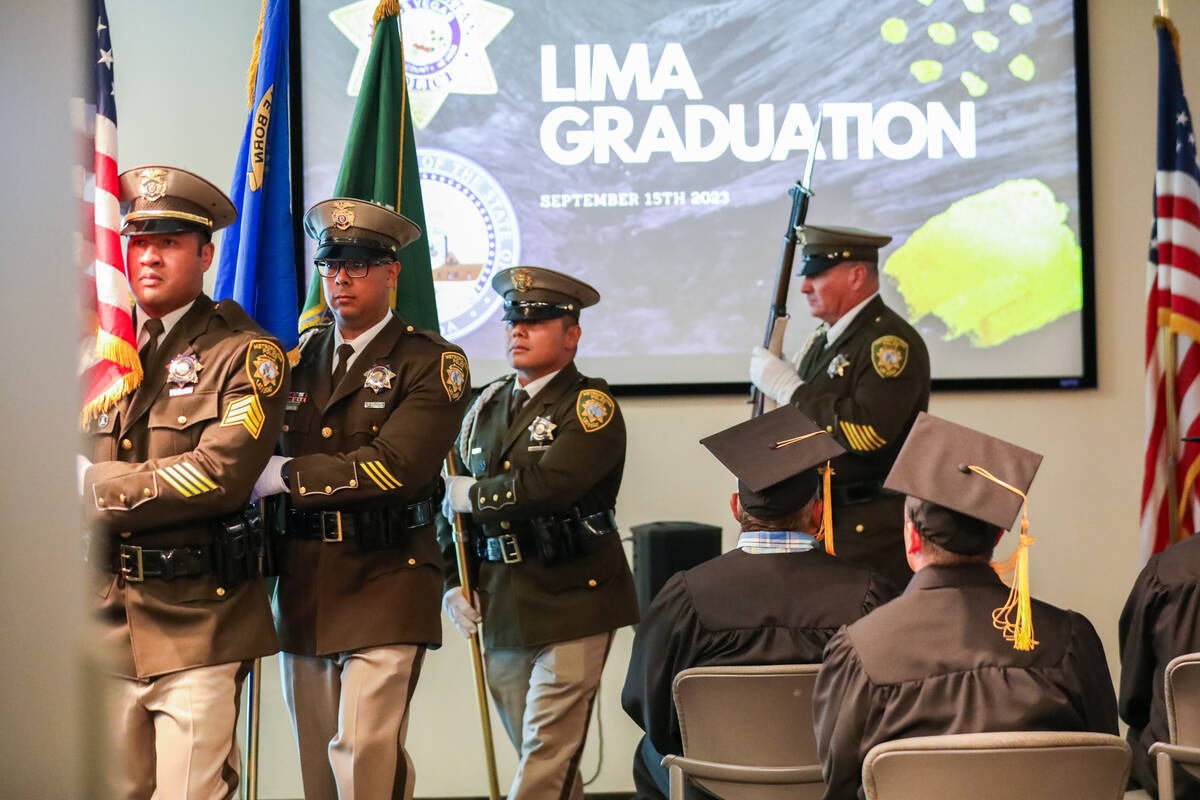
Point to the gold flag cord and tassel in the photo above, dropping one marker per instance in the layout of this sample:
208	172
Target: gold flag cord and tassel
1017	629
826	533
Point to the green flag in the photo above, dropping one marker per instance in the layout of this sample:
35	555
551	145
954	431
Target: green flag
380	164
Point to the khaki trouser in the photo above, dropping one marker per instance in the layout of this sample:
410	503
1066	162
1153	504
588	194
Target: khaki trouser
176	734
350	716
545	695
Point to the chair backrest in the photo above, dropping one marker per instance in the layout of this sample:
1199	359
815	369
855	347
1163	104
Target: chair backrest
1182	698
756	716
1029	765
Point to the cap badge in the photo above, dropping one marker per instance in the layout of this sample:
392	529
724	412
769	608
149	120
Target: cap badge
522	280
541	430
184	369
343	215
378	378
889	355
837	367
154	184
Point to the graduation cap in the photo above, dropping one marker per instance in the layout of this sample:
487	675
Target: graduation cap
775	458
977	484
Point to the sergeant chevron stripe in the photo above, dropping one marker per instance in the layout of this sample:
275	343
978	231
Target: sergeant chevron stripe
377	472
247	412
862	437
186	479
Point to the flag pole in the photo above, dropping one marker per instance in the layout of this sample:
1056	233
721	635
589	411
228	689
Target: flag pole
252	730
1172	443
1162	8
464	579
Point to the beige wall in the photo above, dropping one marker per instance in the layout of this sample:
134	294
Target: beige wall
1083	507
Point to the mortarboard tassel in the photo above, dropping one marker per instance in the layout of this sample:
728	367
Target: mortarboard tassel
827	510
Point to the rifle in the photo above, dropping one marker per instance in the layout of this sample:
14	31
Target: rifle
778	316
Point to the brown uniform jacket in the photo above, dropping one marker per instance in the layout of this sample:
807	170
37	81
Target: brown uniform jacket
356	448
930	663
737	609
519	478
169	460
1161	620
866	389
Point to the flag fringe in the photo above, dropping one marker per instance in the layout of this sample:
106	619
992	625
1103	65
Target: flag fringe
119	352
386	8
252	72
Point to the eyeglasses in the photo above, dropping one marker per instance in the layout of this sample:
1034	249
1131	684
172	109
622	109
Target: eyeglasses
353	269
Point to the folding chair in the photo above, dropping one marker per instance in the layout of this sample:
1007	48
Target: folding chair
1182	697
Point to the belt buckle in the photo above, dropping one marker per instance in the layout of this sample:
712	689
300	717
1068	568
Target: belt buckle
331	526
510	551
131	572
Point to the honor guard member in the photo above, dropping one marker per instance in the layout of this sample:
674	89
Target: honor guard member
777	599
540	459
181	604
374	408
863	376
958	652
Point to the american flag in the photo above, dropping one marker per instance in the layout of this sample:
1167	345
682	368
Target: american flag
109	367
1172	308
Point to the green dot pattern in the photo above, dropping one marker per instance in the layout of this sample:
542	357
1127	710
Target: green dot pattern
942	33
926	70
985	41
1022	67
1020	13
976	86
894	30
975	6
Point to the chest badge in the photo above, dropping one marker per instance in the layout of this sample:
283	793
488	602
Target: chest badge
378	378
184	370
541	430
837	367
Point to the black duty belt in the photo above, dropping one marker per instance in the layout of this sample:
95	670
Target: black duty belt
850	493
338	526
513	548
138	563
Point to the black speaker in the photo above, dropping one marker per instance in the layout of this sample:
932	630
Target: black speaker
660	549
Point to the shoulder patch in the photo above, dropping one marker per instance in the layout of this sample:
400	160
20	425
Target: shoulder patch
455	374
594	409
889	356
264	366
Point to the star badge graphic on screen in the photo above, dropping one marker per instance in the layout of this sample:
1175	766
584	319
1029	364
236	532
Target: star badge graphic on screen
473	234
445	48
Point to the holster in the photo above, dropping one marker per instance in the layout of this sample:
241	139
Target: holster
237	545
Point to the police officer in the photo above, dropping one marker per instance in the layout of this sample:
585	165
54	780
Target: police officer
375	407
180	605
863	376
540	458
953	654
777	599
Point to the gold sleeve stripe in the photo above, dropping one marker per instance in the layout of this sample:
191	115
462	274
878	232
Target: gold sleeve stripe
198	476
247	412
185	479
372	470
873	436
166	476
852	436
384	470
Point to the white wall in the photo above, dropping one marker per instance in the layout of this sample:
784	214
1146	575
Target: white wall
180	84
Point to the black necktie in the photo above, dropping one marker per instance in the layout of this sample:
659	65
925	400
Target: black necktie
344	353
813	354
154	328
519	396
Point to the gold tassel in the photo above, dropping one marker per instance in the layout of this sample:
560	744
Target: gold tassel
1019	631
386	8
827	511
252	73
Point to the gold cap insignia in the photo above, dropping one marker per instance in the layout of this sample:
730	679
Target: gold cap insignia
153	185
454	375
342	216
522	280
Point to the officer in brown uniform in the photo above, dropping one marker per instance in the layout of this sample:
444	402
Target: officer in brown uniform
864	377
952	654
540	459
374	408
181	606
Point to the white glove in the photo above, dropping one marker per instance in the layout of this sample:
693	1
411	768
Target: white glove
271	480
464	615
458	495
81	465
773	376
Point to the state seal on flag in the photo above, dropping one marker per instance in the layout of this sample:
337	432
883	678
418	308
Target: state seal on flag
473	234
